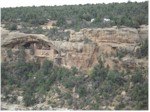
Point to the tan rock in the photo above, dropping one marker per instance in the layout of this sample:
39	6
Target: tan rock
105	43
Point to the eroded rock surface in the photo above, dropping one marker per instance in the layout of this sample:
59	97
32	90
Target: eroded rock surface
83	48
116	47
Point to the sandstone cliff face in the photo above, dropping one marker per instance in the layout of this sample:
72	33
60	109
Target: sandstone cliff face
84	47
76	54
143	32
110	40
113	35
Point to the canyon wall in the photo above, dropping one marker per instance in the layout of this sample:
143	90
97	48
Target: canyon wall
110	41
84	48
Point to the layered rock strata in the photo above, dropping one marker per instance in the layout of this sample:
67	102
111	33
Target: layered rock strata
84	48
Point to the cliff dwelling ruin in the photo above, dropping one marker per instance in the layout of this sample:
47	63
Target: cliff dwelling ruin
75	52
39	47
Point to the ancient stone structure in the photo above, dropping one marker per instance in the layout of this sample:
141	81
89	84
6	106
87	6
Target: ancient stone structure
83	48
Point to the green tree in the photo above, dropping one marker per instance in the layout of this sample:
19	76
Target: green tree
46	67
82	91
28	98
115	77
61	22
12	26
99	72
143	50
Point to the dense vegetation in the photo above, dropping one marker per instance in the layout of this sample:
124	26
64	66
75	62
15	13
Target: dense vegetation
143	50
99	88
40	80
79	16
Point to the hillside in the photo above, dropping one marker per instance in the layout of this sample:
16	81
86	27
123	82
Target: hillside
47	63
131	14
